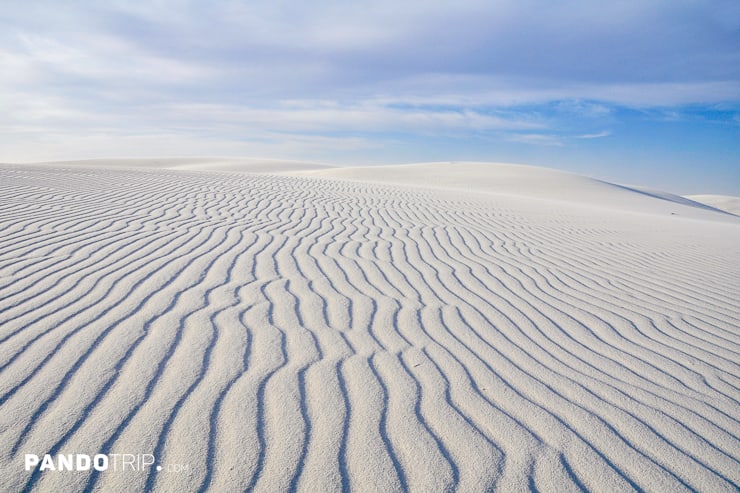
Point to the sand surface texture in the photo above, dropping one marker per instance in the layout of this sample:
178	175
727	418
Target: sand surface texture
504	328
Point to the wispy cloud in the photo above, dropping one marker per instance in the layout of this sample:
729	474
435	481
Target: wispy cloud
536	139
327	116
503	52
370	74
597	135
556	140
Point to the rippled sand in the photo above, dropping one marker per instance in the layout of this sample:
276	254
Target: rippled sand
526	330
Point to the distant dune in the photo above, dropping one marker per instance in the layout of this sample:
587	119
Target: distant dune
520	180
723	202
250	165
432	327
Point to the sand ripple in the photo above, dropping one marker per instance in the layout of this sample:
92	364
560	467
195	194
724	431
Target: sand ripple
280	333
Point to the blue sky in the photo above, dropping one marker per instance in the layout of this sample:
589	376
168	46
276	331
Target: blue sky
639	92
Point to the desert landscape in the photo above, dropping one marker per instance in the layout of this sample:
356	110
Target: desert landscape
286	326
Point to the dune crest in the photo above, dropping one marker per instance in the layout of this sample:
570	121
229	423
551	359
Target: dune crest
232	164
532	182
726	203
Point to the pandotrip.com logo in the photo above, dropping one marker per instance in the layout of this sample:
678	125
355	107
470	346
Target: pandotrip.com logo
97	462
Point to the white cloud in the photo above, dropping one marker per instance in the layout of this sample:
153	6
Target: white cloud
26	145
216	71
597	135
536	139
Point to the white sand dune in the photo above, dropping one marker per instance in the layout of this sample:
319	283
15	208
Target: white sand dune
250	165
493	328
726	203
516	179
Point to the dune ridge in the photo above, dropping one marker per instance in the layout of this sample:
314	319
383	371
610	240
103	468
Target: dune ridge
726	203
227	164
307	333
